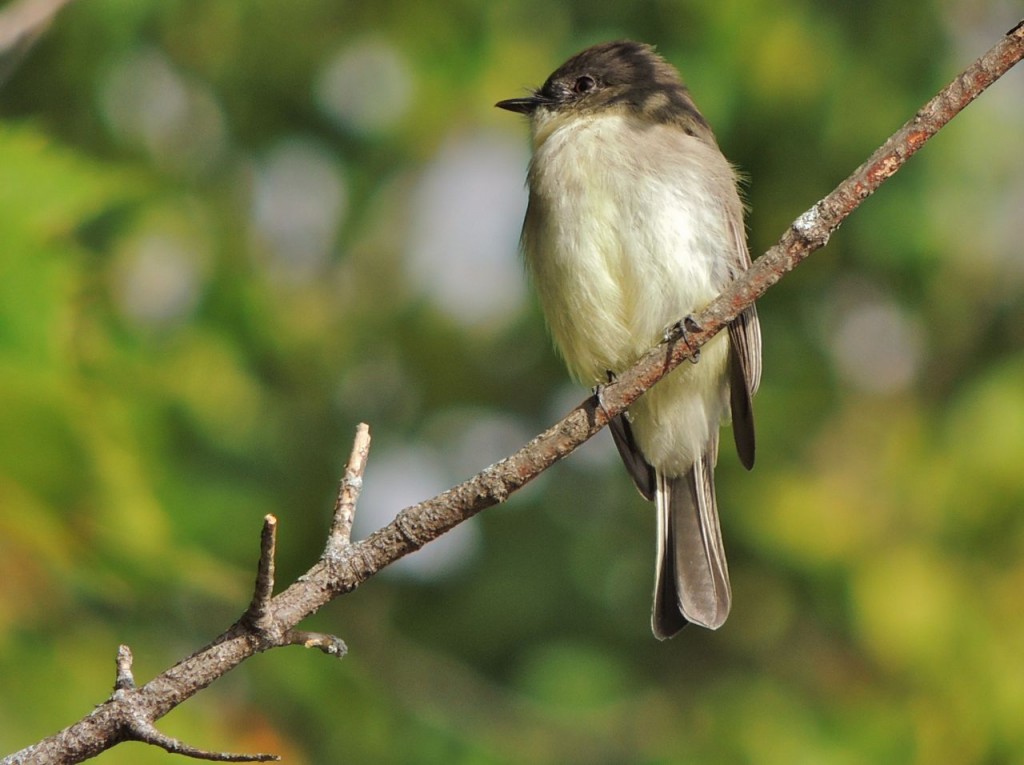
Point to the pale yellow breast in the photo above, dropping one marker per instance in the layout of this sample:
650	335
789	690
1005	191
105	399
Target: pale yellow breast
625	234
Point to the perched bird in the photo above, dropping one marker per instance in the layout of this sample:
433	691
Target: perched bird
635	222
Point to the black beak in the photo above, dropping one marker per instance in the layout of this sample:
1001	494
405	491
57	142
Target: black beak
521	105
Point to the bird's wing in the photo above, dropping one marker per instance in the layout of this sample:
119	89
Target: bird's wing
744	351
639	469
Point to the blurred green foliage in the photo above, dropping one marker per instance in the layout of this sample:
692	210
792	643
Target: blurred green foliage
221	249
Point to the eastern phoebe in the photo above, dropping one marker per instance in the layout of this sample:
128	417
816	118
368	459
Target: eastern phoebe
635	222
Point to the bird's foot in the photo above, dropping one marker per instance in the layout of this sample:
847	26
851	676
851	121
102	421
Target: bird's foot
599	391
680	330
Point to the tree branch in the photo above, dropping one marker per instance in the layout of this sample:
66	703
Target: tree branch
22	23
271	622
348	493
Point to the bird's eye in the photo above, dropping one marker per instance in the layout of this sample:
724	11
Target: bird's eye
584	84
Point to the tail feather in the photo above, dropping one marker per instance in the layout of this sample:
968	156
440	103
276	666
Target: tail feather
692	582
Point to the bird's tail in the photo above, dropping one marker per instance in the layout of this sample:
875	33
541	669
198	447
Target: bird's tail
692	583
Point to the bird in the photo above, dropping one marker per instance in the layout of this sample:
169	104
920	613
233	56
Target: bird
635	222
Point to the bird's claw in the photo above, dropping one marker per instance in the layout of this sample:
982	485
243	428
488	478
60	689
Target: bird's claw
599	391
680	330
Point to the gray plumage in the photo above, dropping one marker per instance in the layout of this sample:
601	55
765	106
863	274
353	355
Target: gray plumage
634	222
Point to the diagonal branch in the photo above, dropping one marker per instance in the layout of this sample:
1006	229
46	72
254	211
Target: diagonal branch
345	565
419	524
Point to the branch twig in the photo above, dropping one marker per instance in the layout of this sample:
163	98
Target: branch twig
146	732
257	616
22	23
348	493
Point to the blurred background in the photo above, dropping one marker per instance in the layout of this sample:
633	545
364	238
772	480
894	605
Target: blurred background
231	231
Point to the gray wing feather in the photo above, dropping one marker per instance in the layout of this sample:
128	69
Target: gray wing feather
745	353
638	468
744	362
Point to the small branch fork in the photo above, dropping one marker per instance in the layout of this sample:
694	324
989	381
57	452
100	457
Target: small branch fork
271	621
140	728
131	712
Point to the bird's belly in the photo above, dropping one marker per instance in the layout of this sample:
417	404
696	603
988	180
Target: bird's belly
617	257
612	279
608	296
